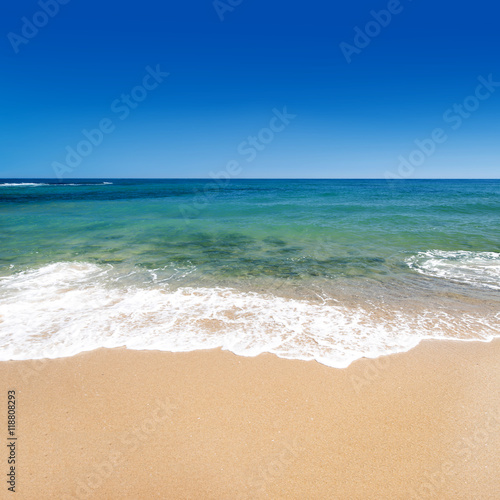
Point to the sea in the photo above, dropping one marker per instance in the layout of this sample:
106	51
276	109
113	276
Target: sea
325	270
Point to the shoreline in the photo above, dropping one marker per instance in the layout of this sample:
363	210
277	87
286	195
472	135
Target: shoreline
118	423
221	349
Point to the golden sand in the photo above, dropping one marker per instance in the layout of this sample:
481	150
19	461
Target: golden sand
120	424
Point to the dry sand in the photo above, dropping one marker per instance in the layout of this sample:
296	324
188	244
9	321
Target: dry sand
119	424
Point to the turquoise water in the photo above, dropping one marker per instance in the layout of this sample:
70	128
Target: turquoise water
404	251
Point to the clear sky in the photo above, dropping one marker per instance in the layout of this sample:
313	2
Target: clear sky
279	88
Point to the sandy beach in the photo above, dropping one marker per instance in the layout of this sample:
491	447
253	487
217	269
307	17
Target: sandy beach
121	424
250	251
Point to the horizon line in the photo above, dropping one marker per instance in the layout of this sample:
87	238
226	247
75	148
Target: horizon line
255	179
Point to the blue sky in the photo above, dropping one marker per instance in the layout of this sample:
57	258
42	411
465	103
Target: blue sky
354	116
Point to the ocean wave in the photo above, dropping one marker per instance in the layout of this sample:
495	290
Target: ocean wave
65	308
36	184
23	184
84	184
474	268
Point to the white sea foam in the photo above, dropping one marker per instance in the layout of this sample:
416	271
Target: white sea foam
65	308
36	184
84	184
22	184
476	268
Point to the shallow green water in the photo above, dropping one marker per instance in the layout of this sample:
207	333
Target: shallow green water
284	229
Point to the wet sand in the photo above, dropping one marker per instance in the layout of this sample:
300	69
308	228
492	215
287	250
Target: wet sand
120	424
